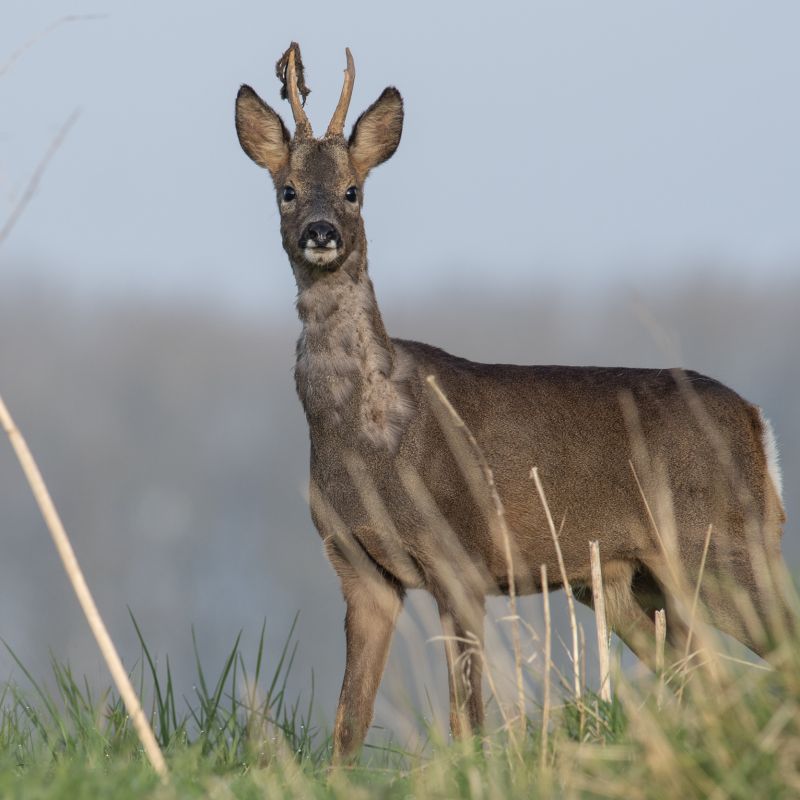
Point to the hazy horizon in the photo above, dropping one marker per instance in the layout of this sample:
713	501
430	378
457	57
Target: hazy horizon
177	452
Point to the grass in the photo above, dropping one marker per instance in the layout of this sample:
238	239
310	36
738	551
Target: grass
709	726
734	732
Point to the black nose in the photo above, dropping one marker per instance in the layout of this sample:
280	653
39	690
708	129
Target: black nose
320	233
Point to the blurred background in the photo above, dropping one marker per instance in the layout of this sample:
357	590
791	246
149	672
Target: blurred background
578	183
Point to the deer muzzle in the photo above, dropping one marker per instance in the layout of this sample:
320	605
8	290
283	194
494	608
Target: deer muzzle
321	242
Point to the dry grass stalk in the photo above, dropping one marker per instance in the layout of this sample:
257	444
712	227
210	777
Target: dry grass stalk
487	671
454	664
582	646
548	660
384	526
743	663
658	752
455	569
667	546
661	639
75	575
33	182
679	582
661	515
662	521
693	612
573	624
599	601
506	537
36	38
769	583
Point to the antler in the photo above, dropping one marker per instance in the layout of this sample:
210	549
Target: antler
336	127
289	70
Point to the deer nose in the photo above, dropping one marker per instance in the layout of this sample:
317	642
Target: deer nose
320	233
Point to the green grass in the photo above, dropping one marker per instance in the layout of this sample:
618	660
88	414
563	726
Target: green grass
735	732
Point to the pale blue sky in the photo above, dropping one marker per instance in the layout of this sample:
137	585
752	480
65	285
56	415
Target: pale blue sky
576	144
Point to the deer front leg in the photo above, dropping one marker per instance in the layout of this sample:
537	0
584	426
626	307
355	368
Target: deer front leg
372	608
463	644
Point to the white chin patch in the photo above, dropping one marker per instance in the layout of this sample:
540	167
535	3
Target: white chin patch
321	256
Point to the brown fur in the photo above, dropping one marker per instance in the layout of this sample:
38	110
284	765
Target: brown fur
642	460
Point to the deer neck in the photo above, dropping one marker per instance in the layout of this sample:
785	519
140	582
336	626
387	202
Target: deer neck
349	376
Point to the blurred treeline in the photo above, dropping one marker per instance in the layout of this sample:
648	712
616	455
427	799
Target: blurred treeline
176	451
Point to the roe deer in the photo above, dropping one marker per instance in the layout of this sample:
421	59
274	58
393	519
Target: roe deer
625	454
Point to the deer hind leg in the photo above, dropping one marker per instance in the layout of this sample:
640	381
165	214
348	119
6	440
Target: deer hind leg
651	597
463	644
746	597
743	593
632	596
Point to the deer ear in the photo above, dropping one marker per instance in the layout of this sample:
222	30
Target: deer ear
376	133
262	134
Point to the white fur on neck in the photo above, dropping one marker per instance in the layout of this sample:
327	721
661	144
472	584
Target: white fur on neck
341	352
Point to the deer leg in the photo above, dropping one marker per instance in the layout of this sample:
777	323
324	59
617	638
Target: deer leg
372	608
733	598
463	644
759	618
651	597
631	623
625	610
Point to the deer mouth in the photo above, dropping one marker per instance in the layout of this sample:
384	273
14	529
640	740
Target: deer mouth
321	255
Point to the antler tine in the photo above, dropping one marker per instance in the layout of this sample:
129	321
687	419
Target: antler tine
302	125
336	127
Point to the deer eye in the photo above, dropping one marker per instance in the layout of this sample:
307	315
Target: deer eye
351	195
289	194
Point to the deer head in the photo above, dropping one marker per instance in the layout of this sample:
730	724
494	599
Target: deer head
319	182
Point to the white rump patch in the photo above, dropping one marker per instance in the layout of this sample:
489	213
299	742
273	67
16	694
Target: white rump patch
770	444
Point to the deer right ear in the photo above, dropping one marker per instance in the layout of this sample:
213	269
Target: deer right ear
262	134
376	133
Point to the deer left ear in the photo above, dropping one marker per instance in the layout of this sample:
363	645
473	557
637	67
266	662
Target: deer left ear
261	131
376	133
